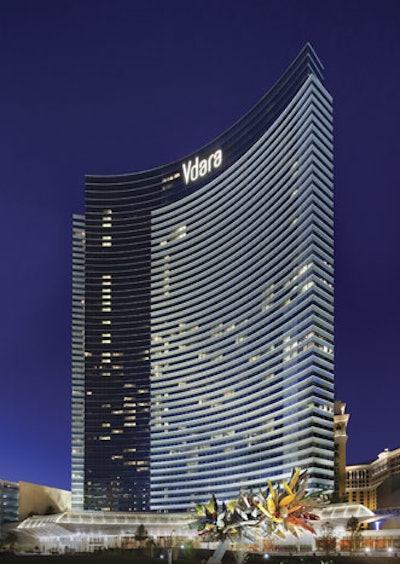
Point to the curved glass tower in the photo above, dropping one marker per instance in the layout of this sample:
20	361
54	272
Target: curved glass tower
208	313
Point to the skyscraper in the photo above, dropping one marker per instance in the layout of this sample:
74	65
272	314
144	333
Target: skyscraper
203	313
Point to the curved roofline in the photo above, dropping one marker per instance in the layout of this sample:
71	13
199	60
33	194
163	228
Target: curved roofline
307	55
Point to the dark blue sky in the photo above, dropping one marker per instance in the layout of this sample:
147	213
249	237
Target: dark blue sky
104	87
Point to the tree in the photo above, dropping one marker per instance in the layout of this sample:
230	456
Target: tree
355	537
141	534
327	540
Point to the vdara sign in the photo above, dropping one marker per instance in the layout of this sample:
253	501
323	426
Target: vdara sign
192	170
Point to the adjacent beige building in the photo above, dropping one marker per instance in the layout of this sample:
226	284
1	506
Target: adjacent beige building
19	500
375	484
42	500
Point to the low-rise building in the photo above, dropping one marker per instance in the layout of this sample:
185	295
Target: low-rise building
19	500
89	531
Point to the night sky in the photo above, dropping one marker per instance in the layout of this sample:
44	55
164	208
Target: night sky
109	87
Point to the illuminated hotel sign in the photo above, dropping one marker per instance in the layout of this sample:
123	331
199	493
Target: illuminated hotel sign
192	170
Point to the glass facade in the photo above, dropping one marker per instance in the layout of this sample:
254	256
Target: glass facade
208	312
